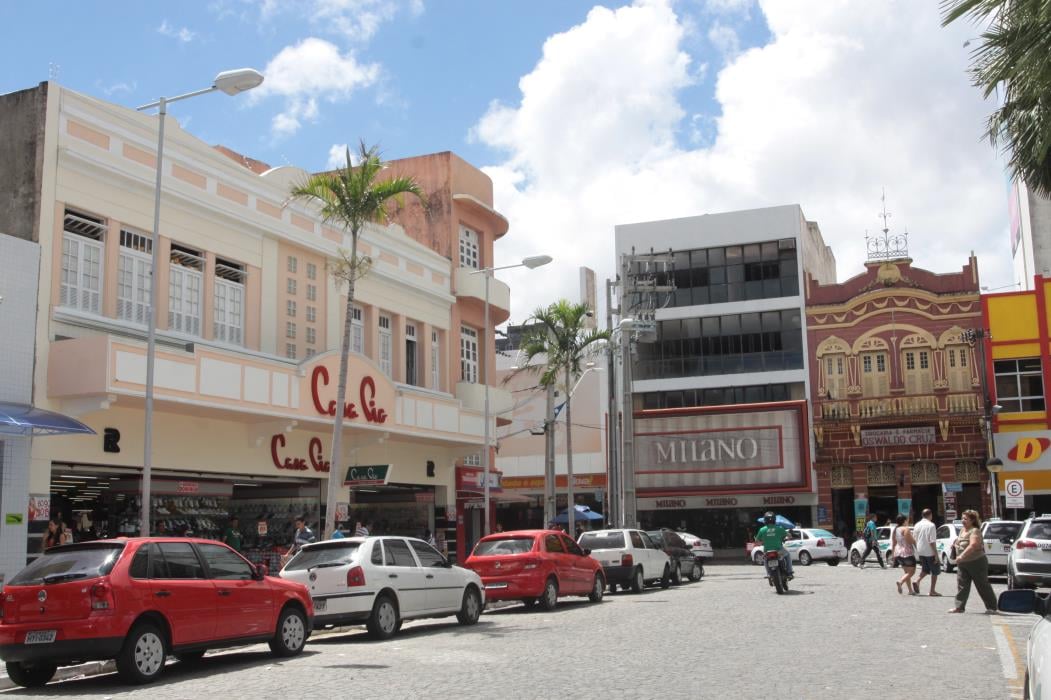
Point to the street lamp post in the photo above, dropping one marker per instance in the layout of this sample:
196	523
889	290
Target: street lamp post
977	337
532	262
232	82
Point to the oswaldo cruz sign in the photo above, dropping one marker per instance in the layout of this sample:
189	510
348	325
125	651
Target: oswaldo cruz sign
895	437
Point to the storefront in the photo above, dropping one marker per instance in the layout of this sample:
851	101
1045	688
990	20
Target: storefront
1027	458
588	490
714	471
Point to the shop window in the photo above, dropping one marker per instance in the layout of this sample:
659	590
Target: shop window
1019	385
224	565
292	264
134	276
290	286
410	354
917	373
386	346
474	460
468	248
228	323
967	471
82	252
180	560
436	369
185	282
842	477
357	331
882	475
311	271
468	355
925	473
874	378
427	554
311	292
835	376
958	371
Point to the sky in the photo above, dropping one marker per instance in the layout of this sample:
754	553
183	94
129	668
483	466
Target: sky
584	114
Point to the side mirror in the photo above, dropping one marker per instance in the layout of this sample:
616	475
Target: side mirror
1022	601
587	552
261	571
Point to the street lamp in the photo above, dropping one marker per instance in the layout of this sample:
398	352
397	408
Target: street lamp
231	82
618	429
532	262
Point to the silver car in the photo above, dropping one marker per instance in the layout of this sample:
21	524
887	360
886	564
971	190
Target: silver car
1029	562
999	536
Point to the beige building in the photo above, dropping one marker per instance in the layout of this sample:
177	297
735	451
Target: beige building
248	329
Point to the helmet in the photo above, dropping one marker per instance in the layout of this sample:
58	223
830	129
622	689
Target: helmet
768	517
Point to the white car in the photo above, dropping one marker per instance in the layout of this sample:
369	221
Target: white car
628	557
381	581
857	549
999	537
946	542
1029	562
807	545
1038	650
701	548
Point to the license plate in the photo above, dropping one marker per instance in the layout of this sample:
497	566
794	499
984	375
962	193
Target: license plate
40	637
1045	546
320	605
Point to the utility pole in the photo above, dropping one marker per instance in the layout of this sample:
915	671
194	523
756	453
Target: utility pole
612	429
550	510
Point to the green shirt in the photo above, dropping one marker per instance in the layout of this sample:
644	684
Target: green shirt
232	537
772	537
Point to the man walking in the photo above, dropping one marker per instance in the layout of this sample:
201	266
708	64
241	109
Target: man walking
871	543
926	535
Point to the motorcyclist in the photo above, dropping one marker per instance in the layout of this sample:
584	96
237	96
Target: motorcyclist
772	537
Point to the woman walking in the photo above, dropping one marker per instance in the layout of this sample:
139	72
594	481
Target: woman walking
903	546
972	565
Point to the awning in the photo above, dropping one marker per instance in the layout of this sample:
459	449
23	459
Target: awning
23	419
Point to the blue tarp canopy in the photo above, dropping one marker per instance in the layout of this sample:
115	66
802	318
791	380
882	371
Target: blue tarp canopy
23	419
582	513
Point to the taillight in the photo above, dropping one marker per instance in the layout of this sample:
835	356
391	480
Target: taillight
356	577
772	555
1025	544
627	560
821	543
101	596
530	564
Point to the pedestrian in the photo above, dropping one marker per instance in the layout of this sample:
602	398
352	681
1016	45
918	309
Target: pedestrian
972	565
871	543
232	534
903	548
926	535
303	535
363	529
439	542
499	527
428	537
51	537
337	534
65	535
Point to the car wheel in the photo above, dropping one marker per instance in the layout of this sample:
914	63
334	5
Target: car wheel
549	600
637	583
833	562
949	568
676	576
696	572
805	559
666	576
471	608
612	588
190	657
855	558
291	633
141	660
30	675
597	589
383	621
529	602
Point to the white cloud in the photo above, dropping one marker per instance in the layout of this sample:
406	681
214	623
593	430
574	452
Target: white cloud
119	88
308	72
725	40
337	156
844	99
183	34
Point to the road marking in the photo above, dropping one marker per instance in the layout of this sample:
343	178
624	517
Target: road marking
1006	651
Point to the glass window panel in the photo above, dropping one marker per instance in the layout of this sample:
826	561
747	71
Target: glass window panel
751	253
769	250
716	256
699	258
1006	387
718	294
717	275
734	274
789	286
733	255
1031	385
1029	365
771	321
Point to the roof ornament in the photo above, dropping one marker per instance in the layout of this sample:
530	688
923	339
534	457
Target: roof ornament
887	246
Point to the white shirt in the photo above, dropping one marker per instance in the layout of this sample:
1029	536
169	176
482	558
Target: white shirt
926	535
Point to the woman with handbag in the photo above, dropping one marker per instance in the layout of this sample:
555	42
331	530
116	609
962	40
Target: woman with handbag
972	565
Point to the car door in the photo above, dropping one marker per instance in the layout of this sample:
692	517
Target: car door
182	593
555	552
401	572
246	604
583	569
444	583
641	554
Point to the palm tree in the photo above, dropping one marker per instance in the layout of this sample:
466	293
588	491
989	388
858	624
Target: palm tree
1015	58
561	336
351	197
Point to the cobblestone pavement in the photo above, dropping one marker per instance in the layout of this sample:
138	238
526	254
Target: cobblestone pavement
841	632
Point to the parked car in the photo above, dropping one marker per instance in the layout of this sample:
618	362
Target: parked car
140	600
535	566
701	548
1029	562
807	545
1038	649
381	581
683	562
628	558
946	542
857	549
999	536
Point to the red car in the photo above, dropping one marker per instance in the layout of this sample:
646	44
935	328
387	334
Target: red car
139	600
535	565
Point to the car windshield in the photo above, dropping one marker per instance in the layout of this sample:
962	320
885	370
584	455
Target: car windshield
70	563
323	555
602	540
995	531
504	545
1039	531
658	538
820	533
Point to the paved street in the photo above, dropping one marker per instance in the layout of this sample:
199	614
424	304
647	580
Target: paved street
842	632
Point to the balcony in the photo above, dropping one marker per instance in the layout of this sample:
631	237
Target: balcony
471	287
472	397
899	407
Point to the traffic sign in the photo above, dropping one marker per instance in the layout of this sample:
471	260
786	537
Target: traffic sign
1014	493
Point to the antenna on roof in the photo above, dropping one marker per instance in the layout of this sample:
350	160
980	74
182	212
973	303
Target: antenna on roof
53	70
886	247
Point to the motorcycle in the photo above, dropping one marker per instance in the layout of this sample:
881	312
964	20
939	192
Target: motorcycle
776	573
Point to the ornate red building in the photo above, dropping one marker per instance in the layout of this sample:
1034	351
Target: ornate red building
898	409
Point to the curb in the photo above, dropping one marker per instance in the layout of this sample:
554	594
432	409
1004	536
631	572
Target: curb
65	673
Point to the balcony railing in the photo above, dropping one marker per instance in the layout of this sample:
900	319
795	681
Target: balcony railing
899	406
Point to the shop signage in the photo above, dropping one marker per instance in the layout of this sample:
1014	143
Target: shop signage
366	395
1028	450
367	475
39	508
261	528
470	479
342	511
314	458
188	487
896	437
536	483
754	501
1014	493
952	487
13	519
905	506
822	516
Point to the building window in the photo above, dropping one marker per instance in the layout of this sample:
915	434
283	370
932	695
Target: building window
290	309
874	378
311	271
82	253
882	475
386	346
310	353
311	336
1019	385
925	473
290	286
290	351
917	375
958	371
228	322
357	331
468	248
292	264
842	477
185	278
436	369
134	276
311	314
718	396
472	460
967	471
835	377
311	292
290	330
468	355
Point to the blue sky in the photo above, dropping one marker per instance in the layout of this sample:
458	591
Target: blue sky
585	114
